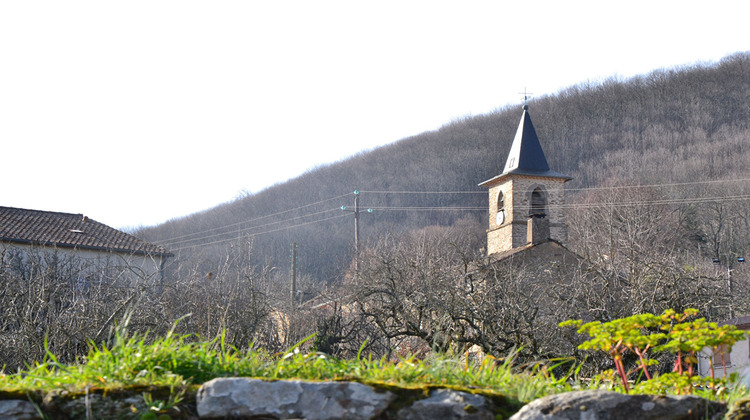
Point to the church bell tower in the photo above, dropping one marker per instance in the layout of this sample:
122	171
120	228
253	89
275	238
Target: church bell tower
525	201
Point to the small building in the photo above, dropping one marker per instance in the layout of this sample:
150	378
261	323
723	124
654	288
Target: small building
75	235
737	359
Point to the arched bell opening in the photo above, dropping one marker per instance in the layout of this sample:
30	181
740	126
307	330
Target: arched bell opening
538	208
538	228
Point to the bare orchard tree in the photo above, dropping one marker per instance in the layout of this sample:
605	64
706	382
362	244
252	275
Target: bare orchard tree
230	298
56	298
340	331
70	303
721	222
427	290
432	291
638	243
406	284
516	305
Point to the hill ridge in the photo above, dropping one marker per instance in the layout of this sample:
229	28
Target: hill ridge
671	125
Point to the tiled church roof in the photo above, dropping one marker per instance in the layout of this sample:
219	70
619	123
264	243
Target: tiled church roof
67	230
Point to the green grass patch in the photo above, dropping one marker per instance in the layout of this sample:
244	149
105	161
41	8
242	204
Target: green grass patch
182	362
176	366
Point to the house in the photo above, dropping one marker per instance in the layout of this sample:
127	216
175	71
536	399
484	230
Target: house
737	359
94	245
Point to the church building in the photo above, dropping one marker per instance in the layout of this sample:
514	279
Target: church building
526	200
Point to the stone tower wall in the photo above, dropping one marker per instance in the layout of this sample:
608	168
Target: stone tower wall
517	191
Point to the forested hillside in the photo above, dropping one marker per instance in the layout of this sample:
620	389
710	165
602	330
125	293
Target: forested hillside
677	127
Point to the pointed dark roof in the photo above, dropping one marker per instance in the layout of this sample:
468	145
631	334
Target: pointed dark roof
67	230
526	156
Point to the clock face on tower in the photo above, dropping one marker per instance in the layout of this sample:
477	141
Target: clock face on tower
500	217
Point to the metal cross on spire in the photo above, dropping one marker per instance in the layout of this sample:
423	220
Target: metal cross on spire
526	95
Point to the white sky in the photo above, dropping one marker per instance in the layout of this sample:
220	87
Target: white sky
135	112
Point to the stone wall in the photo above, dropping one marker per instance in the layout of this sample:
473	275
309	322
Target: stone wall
516	191
246	398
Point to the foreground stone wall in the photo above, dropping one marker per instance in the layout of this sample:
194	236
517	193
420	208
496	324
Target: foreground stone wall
605	405
244	398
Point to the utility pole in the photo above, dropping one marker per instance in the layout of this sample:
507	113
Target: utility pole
293	288
356	228
730	284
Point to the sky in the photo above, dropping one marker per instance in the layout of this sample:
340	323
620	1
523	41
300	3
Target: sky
136	112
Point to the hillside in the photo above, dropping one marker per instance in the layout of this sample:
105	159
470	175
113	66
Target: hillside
672	126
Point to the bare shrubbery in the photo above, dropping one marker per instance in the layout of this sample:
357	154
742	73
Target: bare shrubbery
432	289
53	297
634	253
52	300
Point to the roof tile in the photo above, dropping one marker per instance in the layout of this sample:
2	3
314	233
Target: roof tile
69	230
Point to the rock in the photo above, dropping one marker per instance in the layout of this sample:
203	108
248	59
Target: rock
449	404
18	410
606	405
243	397
95	405
740	409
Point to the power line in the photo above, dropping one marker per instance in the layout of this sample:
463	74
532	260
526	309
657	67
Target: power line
673	184
655	202
249	228
195	236
198	240
619	187
422	209
425	192
261	233
255	219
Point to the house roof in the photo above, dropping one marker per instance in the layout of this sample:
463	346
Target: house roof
67	230
549	244
742	322
526	156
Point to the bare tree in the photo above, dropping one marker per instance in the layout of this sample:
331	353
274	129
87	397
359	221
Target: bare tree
57	299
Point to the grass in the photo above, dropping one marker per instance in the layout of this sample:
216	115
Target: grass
180	363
